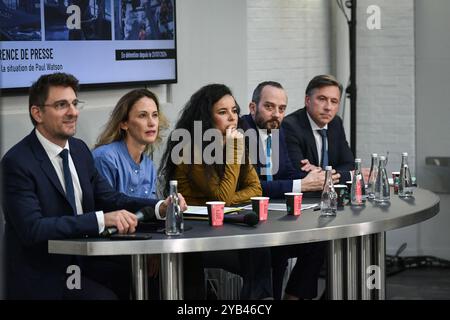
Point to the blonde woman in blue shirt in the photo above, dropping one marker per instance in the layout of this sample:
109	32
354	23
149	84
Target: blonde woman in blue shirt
122	150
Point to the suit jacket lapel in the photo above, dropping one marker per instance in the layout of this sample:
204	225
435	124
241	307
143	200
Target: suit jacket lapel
309	136
46	164
331	136
252	125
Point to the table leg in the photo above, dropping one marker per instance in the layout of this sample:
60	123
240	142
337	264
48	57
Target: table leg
172	276
139	275
146	293
379	259
335	270
366	252
352	268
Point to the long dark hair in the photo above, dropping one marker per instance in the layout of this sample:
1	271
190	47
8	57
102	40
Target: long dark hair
198	108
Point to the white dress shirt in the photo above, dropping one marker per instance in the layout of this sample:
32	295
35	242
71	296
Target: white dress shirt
263	136
318	139
297	183
317	136
53	151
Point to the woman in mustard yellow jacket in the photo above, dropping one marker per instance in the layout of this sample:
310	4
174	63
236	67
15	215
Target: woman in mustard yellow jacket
207	155
213	110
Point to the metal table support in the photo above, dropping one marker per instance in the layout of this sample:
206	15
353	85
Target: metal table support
139	274
365	262
172	276
379	259
335	270
352	268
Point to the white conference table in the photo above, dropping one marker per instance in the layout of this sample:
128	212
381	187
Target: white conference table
356	243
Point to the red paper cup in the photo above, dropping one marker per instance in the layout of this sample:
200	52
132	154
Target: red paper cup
215	212
261	206
294	203
395	181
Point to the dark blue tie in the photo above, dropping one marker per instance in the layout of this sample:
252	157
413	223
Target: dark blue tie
323	133
269	160
70	194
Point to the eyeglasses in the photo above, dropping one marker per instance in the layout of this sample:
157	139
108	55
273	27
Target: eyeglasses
65	105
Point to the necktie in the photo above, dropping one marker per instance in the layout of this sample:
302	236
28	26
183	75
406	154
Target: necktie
269	160
70	194
323	134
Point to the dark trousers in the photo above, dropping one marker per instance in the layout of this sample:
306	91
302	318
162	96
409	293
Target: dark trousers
154	288
89	290
303	279
253	265
112	272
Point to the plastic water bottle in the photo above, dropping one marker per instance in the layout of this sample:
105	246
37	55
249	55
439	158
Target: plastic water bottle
358	192
405	184
382	191
174	216
372	177
328	203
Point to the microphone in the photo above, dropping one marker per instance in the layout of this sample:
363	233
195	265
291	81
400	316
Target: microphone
144	214
246	217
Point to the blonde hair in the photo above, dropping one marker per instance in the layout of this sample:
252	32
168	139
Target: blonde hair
112	130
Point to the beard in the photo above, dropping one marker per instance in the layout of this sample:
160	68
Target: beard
269	124
273	124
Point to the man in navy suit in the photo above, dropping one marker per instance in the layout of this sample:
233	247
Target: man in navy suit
316	132
52	190
267	110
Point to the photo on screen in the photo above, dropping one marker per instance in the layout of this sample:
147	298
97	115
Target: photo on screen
20	20
144	19
77	19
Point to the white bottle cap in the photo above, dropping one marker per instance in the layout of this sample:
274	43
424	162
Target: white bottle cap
328	168
374	155
405	154
173	182
382	158
357	160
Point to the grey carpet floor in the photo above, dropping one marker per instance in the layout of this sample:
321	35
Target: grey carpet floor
419	284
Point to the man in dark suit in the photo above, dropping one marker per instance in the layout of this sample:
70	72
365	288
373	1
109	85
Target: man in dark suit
52	190
267	110
316	132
